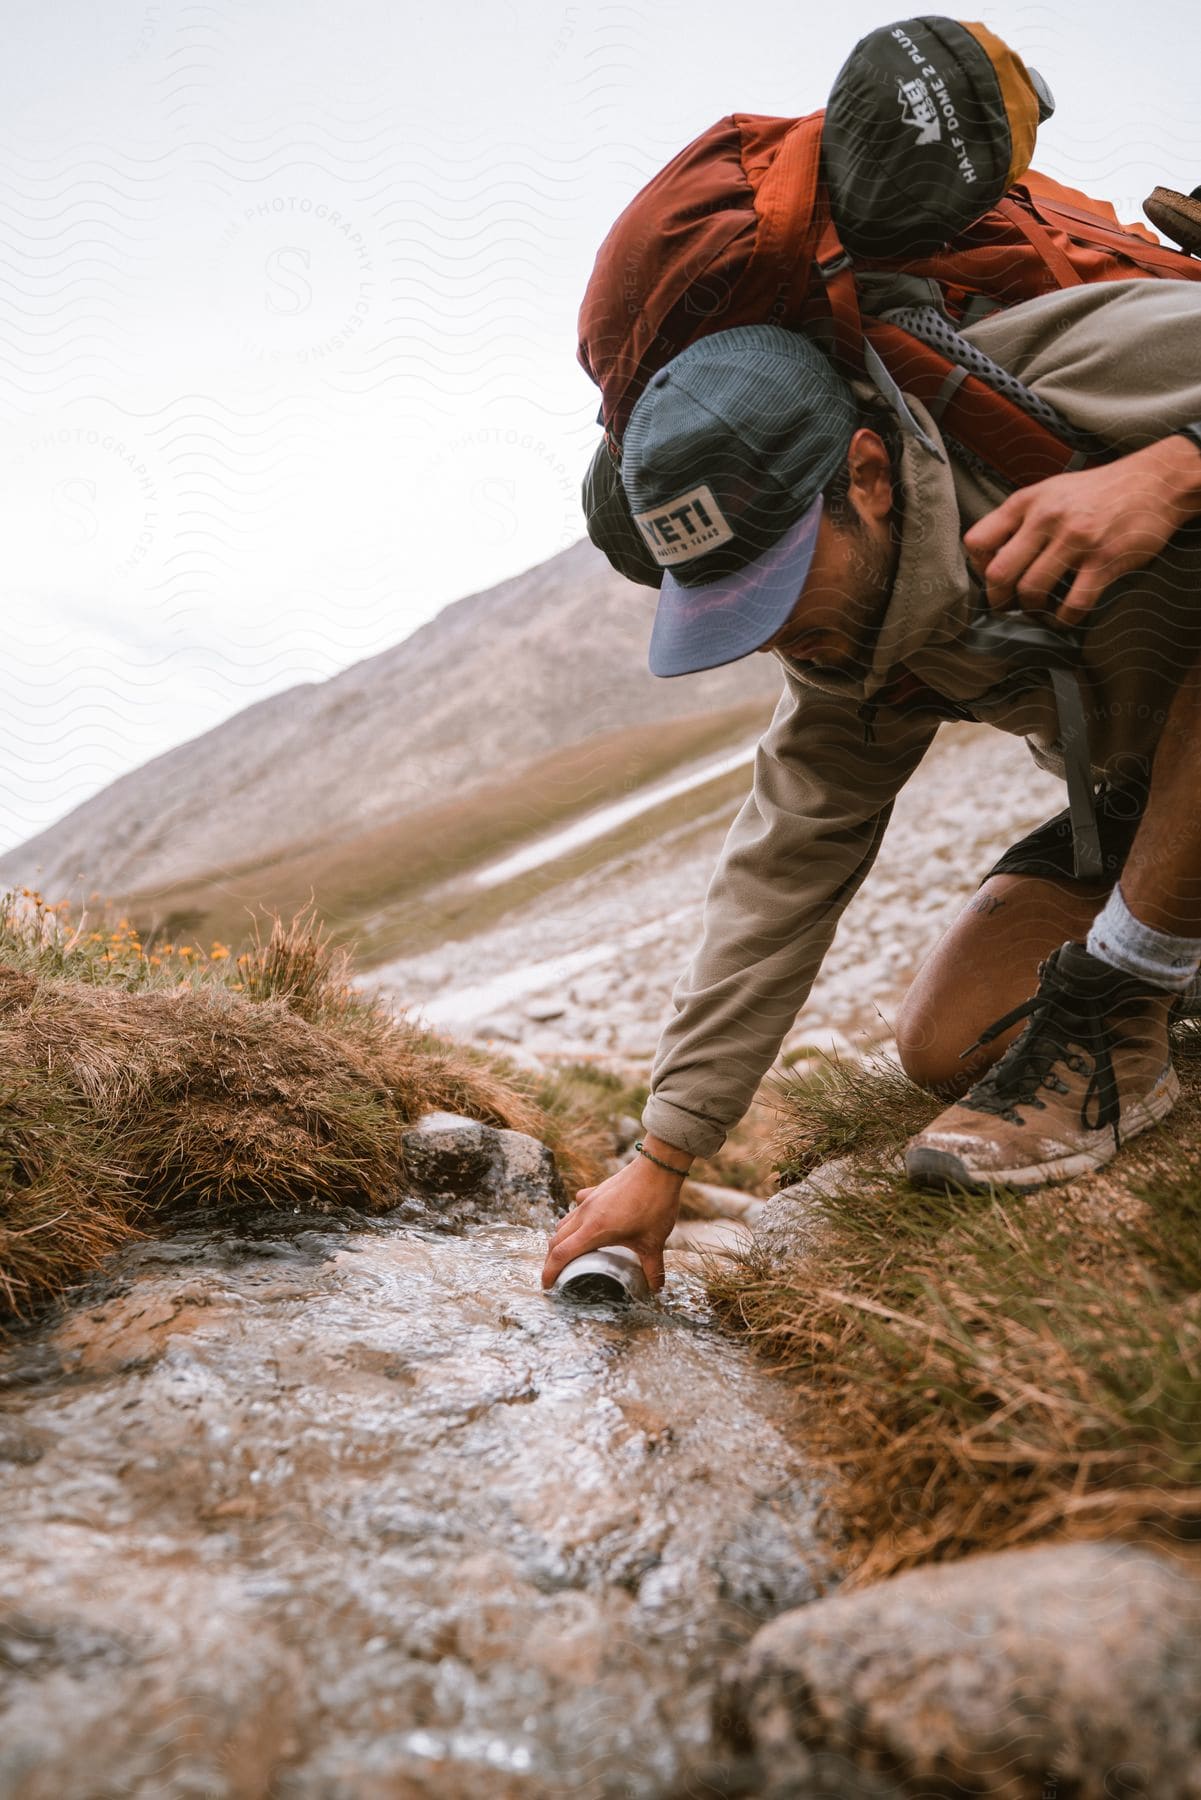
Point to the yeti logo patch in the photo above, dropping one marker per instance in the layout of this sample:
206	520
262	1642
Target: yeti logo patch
684	528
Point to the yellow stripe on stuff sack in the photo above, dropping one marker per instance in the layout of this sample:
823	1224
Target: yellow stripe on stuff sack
1017	96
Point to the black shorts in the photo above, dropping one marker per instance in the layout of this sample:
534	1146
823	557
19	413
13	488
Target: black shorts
1047	850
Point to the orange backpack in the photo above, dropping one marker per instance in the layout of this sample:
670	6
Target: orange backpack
737	229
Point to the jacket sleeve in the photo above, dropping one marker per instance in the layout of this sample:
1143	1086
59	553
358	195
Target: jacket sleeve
1121	359
794	857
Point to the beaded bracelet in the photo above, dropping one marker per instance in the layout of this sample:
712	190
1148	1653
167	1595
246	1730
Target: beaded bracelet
658	1161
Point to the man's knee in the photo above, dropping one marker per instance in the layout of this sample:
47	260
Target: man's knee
984	965
929	1046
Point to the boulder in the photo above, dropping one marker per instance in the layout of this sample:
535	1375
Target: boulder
447	1153
542	1011
1065	1670
710	1200
525	1178
791	1224
465	1173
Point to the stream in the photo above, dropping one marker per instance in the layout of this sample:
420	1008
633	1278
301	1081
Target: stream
356	1512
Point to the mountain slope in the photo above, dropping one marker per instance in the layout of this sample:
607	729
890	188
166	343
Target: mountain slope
546	659
413	880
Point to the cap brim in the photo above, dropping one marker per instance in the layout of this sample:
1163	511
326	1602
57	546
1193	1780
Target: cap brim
703	627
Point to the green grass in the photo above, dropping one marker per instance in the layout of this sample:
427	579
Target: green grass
843	1109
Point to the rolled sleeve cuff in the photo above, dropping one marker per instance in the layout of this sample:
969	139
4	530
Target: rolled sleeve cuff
688	1131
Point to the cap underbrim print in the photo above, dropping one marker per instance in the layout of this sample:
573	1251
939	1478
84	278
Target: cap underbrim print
703	627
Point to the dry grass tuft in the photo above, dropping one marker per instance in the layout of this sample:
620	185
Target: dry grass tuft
987	1370
141	1082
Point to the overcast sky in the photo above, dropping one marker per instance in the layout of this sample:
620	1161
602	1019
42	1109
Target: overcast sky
287	312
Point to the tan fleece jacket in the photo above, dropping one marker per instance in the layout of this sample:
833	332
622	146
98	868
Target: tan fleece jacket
1122	360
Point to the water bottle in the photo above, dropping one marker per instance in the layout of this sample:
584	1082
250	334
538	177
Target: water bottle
613	1275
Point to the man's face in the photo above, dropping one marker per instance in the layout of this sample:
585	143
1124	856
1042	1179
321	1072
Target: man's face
844	596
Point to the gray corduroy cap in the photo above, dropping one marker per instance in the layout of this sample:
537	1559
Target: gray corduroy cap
723	463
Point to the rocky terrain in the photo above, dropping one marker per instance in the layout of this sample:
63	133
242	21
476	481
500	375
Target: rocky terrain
347	1509
609	944
1071	1669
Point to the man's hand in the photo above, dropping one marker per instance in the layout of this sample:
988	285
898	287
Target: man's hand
638	1207
1097	524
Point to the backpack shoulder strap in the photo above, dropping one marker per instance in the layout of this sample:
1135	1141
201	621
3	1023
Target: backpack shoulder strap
1058	264
1017	446
1072	232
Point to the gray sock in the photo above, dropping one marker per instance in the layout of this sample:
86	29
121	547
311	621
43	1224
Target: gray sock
1156	957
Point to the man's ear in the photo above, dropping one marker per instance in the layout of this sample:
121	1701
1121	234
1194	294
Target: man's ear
871	475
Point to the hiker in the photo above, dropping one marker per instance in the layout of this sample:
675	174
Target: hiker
791	514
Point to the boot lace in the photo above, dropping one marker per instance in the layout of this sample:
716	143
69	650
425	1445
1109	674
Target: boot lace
1062	1023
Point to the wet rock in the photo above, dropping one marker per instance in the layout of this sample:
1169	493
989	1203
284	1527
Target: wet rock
763	1569
1063	1670
739	1776
446	1153
18	1446
468	1173
153	1674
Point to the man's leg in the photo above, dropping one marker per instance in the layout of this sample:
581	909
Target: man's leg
1091	1066
1161	879
981	968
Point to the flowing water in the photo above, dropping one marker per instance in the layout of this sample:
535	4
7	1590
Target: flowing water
361	1514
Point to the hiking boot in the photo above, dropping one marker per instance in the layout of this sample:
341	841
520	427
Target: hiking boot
1177	215
1090	1070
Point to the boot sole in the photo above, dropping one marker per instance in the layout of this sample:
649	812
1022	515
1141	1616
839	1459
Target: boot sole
944	1172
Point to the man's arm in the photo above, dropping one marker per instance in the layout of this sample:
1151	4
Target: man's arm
1122	360
794	857
1097	524
802	843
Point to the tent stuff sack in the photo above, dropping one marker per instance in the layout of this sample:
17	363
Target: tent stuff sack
928	125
